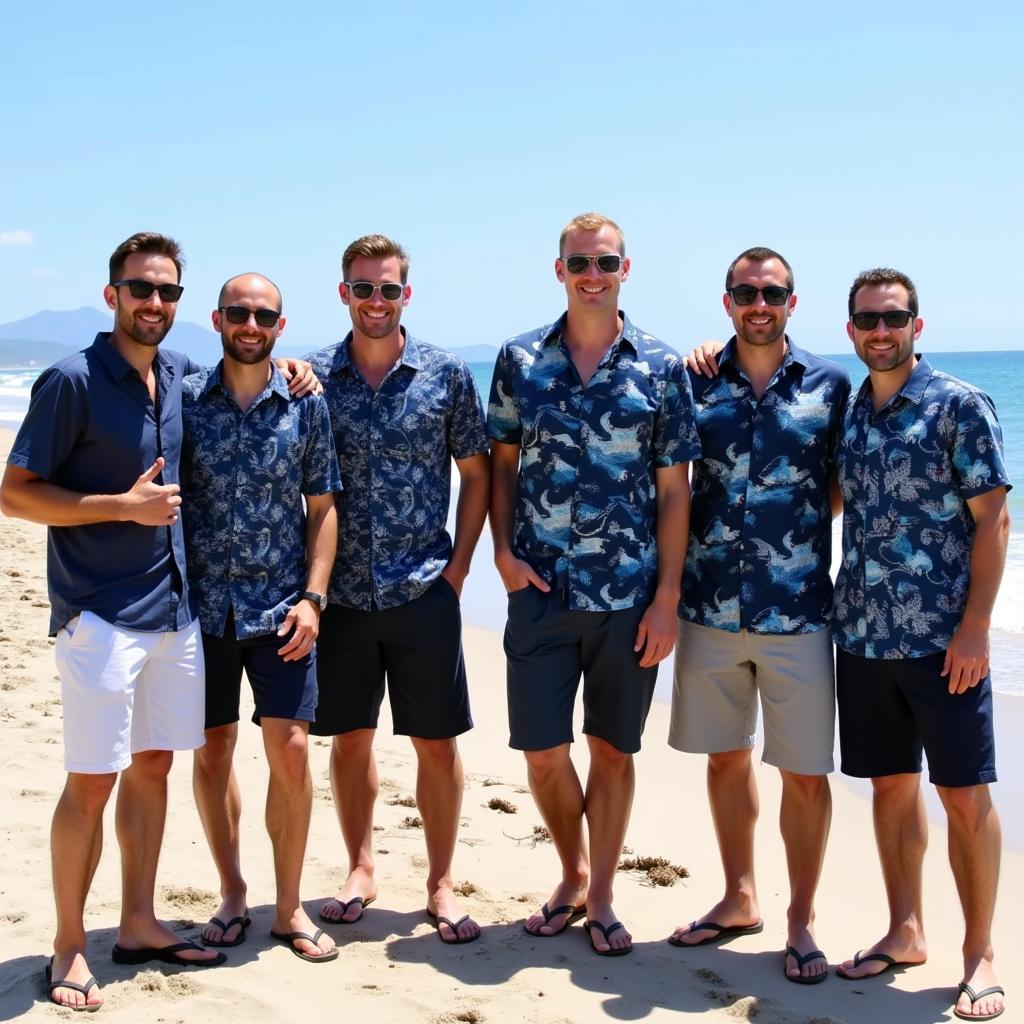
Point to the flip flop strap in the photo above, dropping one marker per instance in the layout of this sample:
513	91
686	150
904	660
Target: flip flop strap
994	990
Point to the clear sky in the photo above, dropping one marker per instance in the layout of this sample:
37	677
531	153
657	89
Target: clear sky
267	136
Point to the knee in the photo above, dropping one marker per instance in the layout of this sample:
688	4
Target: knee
726	763
807	788
895	788
543	764
967	807
90	793
290	760
606	759
352	746
216	753
152	765
440	754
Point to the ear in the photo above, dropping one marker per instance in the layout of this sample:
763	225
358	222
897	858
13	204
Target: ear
406	295
343	291
560	270
624	269
790	305
215	317
849	329
727	302
110	296
281	321
918	327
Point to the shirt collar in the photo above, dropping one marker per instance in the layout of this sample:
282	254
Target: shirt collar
412	353
630	335
794	355
276	385
118	367
913	388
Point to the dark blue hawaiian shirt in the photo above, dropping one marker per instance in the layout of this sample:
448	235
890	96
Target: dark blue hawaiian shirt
906	473
395	448
243	475
585	510
760	517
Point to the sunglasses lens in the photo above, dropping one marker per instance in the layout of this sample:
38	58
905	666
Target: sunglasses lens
897	318
361	289
775	294
266	317
391	291
865	321
140	289
609	263
577	264
170	292
236	314
743	294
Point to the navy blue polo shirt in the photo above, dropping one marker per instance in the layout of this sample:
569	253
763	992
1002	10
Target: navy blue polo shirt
91	427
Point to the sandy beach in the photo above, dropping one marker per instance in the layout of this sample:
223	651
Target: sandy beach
393	967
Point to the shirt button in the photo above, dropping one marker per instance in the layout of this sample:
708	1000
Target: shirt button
741	499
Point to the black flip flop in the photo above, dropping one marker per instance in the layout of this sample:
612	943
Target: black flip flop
723	933
243	920
613	927
89	983
574	912
345	904
800	979
288	938
164	954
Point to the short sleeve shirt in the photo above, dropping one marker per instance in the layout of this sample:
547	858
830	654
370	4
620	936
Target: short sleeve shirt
243	477
586	501
395	447
906	474
760	517
91	427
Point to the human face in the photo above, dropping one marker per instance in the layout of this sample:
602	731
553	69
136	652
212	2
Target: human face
375	317
248	343
144	321
593	289
884	348
759	324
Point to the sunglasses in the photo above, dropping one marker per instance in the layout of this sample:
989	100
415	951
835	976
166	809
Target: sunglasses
892	318
774	294
240	315
143	289
608	263
364	289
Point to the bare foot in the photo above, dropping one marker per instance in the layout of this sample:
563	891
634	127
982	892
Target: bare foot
742	912
444	904
300	921
72	967
565	895
358	892
801	938
154	935
232	911
606	938
893	950
983	976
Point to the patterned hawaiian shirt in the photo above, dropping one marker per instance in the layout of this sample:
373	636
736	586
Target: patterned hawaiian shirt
906	473
760	517
243	475
585	510
395	447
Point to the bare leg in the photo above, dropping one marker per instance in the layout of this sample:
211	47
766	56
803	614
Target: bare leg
974	847
220	808
608	801
139	818
289	804
355	785
901	831
732	791
559	796
439	785
804	819
76	838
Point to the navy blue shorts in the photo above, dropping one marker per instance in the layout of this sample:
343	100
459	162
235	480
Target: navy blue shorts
891	710
548	647
416	647
281	689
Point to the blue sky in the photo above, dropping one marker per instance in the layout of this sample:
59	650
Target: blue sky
266	138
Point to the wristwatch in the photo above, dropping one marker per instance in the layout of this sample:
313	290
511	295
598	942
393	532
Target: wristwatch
320	600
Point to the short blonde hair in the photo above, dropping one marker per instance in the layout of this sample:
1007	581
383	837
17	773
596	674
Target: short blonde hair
378	247
591	222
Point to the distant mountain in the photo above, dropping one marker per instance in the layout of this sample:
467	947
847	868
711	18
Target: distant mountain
34	340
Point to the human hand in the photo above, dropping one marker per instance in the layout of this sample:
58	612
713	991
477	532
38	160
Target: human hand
151	504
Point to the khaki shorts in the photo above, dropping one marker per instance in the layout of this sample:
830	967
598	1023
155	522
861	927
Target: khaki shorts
718	676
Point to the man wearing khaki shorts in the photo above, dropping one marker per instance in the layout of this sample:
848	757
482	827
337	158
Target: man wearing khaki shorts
756	601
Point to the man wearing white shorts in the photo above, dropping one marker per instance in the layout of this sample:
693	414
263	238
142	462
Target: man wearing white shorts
756	601
96	460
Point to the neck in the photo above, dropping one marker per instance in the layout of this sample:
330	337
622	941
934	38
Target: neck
140	357
760	362
380	353
592	329
886	383
244	381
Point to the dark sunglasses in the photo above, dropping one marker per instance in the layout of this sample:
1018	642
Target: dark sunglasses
143	289
774	294
892	318
364	289
240	315
608	263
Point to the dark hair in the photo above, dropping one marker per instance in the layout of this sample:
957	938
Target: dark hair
231	280
879	276
759	254
149	242
378	247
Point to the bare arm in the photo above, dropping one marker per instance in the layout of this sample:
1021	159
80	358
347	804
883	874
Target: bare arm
835	497
470	513
26	495
966	661
321	546
515	573
300	376
656	635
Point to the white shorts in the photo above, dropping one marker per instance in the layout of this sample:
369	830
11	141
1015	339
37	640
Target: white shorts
125	691
720	675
